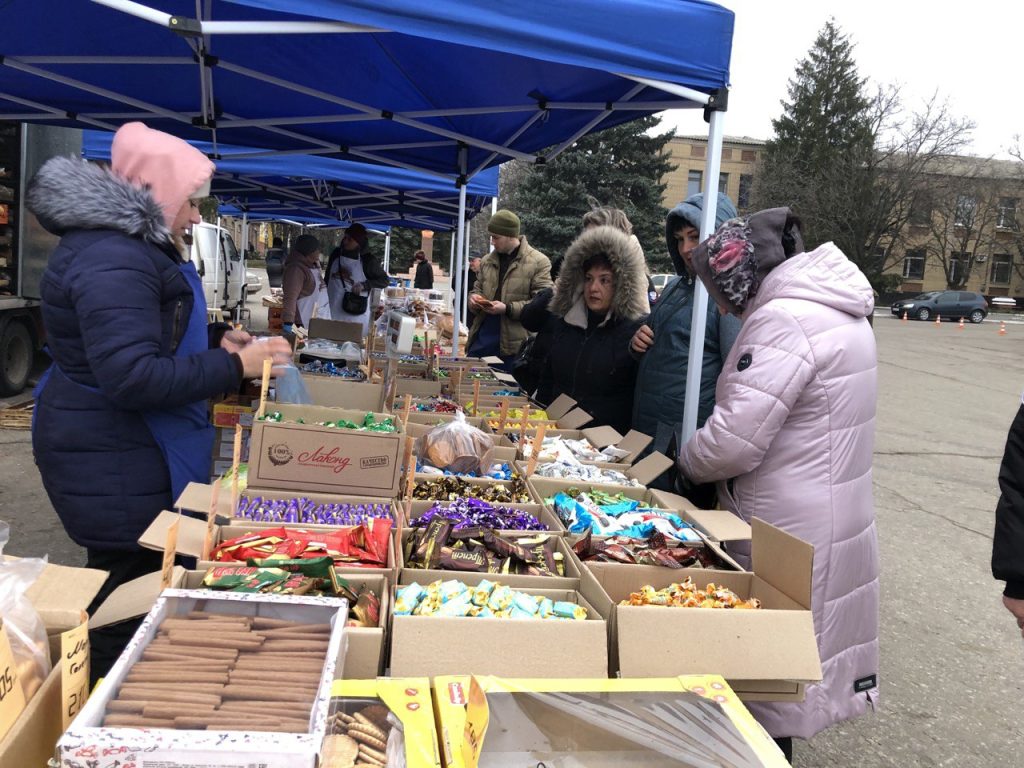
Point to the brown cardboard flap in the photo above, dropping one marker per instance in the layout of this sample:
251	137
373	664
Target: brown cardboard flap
634	442
61	593
673	501
335	392
784	561
506	378
191	532
417	387
335	330
574	419
132	599
33	736
492	360
602	437
649	468
560	406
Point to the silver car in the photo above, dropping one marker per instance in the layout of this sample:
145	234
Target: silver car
253	281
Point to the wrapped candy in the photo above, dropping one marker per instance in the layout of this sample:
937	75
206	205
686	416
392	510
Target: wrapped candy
481	550
304	511
617	515
328	368
368	424
438	405
658	550
362	546
469	512
451	488
687	595
486	600
586	473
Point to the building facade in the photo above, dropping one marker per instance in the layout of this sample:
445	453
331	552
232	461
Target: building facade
689	153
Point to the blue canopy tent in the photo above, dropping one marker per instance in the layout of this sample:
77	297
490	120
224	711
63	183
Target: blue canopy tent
449	87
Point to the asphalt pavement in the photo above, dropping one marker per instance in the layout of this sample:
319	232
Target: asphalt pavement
951	674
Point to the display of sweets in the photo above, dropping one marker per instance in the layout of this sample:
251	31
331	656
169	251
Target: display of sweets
586	473
440	545
449	488
437	405
605	514
485	600
500	471
559	448
369	423
476	513
516	414
304	511
313	577
657	550
361	546
330	369
687	595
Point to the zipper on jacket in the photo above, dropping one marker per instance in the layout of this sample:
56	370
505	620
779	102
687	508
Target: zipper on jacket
174	327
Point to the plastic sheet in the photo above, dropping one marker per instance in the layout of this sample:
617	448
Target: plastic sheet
290	387
457	446
25	630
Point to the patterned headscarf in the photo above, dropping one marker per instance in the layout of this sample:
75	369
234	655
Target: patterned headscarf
734	261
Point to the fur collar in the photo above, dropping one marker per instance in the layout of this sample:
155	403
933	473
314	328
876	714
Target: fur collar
629	302
71	193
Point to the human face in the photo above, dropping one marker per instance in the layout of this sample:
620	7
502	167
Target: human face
187	216
504	244
687	238
598	287
349	243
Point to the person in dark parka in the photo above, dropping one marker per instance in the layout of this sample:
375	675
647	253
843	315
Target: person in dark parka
1008	539
600	300
120	425
424	278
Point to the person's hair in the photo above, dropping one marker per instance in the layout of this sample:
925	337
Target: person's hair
606	216
278	242
789	237
420	255
597	260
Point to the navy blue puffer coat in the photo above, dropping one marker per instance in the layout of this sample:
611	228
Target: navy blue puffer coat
114	305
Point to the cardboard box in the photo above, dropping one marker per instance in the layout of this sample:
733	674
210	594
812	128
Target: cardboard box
86	744
228	415
562	414
336	330
534	721
305	457
60	595
31	740
336	392
571	580
600	438
644	472
364	653
766	654
408	699
427	646
416	387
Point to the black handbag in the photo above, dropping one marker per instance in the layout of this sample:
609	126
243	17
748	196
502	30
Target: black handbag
526	368
354	303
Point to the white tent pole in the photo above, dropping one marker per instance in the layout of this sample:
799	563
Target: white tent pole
673	88
465	282
245	233
216	264
451	270
494	205
457	275
712	167
387	252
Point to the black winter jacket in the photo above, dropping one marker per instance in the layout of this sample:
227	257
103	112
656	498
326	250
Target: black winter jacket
376	277
1008	540
589	360
115	305
424	276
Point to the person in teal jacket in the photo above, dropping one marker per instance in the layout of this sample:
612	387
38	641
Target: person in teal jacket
662	344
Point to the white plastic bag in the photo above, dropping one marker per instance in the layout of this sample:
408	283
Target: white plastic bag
289	386
25	630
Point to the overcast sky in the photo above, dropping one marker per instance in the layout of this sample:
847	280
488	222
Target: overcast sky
973	54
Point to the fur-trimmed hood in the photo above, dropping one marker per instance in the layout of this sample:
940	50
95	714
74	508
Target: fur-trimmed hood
629	302
70	193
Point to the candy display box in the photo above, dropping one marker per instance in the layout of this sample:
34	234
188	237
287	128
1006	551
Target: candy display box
337	392
90	744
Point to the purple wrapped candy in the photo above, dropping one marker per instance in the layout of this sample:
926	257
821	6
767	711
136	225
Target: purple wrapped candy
305	511
470	513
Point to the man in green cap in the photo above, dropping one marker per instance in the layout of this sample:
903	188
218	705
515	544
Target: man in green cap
510	275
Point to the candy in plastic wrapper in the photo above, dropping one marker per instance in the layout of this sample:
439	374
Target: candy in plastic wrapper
457	606
451	589
500	599
482	592
407	598
545	608
526	603
566	610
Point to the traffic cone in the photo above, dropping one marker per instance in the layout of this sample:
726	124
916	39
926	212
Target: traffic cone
938	321
1002	327
961	326
904	315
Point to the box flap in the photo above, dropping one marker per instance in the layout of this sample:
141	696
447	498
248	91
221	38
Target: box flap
719	524
560	406
649	468
602	437
492	360
191	532
132	599
340	393
335	330
61	593
196	498
506	378
574	419
634	442
784	561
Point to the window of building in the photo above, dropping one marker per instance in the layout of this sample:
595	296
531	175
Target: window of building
696	150
1006	217
958	261
746	184
726	153
921	210
913	265
723	183
693	181
963	216
749	156
1002	263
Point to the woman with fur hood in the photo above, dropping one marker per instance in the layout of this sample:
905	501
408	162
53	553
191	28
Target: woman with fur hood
600	300
120	425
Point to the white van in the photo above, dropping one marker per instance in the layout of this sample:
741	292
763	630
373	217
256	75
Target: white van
220	265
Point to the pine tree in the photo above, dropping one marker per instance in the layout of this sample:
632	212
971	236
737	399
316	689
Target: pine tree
620	167
819	160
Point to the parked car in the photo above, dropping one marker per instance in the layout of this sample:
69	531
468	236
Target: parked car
660	281
950	305
253	281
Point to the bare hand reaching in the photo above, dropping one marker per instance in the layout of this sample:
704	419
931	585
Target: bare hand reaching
253	354
642	340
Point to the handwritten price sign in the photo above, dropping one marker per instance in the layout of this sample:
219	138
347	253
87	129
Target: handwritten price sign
12	697
74	673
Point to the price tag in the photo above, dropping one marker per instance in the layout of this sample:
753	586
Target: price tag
74	673
236	460
264	387
12	697
170	549
476	397
211	519
477	716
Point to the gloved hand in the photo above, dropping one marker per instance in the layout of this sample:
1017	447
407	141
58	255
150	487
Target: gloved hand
288	328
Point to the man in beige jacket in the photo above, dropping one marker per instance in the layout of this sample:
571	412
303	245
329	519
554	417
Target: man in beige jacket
510	275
